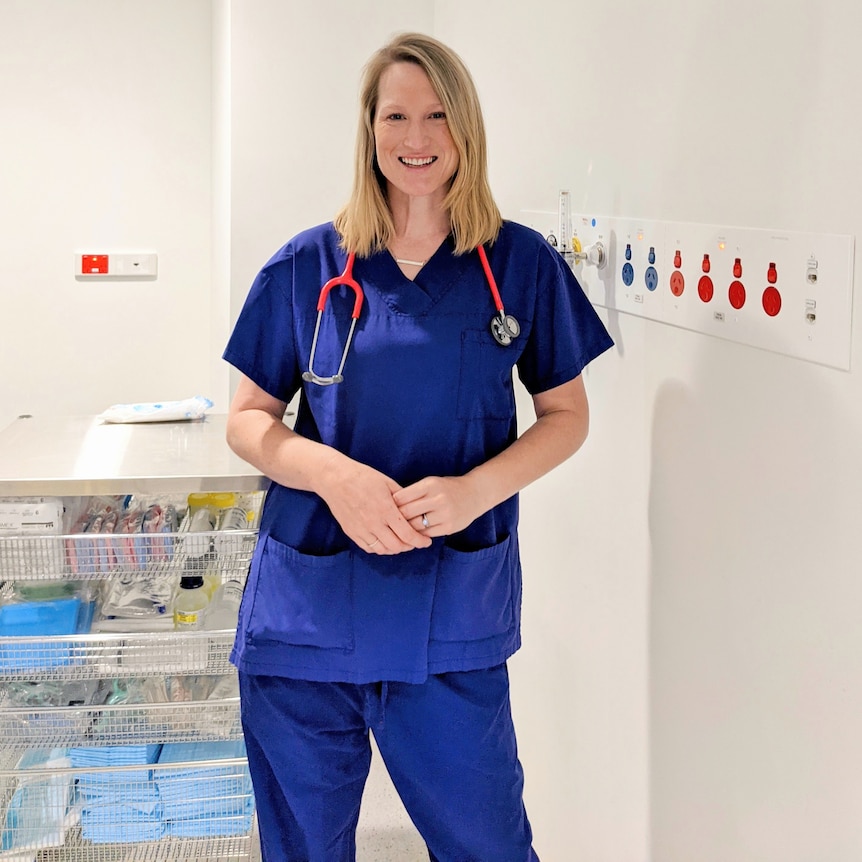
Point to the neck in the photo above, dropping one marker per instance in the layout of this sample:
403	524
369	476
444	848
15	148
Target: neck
418	221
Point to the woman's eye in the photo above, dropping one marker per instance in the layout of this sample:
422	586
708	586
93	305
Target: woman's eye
438	115
395	117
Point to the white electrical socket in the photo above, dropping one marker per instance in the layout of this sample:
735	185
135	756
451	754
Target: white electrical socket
137	264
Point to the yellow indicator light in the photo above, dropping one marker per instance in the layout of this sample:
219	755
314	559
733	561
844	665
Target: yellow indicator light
721	246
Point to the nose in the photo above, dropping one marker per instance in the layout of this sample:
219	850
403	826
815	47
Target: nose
416	133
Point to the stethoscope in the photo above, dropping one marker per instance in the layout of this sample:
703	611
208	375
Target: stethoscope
504	327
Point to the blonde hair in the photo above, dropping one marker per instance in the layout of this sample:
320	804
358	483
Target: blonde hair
365	223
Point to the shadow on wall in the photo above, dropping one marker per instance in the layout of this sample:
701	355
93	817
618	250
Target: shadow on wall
755	642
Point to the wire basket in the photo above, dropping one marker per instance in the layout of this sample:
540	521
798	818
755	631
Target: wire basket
82	657
22	728
177	811
81	556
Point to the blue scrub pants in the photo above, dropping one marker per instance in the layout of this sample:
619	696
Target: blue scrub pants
448	744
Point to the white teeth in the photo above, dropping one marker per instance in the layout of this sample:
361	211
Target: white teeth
418	163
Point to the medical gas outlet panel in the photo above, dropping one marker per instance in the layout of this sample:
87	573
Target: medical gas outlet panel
787	292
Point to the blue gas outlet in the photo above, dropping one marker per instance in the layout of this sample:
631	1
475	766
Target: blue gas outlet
628	274
651	278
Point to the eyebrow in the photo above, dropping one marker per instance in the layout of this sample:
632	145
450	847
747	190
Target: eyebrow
397	106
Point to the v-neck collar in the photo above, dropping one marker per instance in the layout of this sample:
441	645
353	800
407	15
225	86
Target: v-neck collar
416	296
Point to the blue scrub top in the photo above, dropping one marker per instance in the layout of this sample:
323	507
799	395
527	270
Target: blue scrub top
427	391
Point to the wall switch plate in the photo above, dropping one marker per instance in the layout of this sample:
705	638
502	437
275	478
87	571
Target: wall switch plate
123	265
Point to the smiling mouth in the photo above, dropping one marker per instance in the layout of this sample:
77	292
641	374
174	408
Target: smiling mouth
417	163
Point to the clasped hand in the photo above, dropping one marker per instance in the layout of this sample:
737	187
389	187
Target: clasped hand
383	518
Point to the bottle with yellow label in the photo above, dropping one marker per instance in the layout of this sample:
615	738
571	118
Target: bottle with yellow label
190	604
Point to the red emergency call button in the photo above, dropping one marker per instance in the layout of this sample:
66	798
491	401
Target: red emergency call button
94	264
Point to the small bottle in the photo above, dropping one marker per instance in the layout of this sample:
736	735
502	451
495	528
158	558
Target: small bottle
202	518
224	607
200	523
231	520
190	604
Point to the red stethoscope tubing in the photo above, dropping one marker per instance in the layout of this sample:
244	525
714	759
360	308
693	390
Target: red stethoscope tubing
346	278
492	282
504	327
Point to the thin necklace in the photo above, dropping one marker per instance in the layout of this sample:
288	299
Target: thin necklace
411	262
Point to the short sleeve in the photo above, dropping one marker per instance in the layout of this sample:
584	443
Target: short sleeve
566	333
261	345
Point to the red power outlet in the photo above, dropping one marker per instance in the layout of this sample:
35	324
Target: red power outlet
677	280
771	297
736	291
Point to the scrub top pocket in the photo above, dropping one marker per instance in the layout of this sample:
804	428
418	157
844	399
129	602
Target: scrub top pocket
485	388
302	599
474	596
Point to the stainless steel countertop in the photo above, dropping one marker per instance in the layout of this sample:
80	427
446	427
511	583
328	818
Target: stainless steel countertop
78	455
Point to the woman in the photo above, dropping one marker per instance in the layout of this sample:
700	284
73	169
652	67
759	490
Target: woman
385	589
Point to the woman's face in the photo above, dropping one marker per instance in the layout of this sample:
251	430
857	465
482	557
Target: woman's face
415	151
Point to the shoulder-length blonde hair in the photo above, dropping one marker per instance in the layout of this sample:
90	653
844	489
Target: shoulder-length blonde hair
365	223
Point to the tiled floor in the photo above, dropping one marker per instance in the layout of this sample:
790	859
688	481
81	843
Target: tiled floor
385	833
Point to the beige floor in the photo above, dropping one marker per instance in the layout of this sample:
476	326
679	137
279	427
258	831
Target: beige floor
385	833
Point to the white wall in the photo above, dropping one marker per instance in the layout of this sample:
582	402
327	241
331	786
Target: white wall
702	595
295	79
106	145
687	689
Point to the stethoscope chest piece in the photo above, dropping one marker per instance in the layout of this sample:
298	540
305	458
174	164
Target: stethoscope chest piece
505	328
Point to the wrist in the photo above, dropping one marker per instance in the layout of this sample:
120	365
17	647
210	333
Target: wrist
329	471
483	488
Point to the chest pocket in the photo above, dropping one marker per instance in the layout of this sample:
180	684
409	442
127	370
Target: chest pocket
485	388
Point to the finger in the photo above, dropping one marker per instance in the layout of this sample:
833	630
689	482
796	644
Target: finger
427	526
385	542
415	508
409	534
410	494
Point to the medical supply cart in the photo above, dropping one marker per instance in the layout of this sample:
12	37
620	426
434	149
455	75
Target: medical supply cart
84	781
